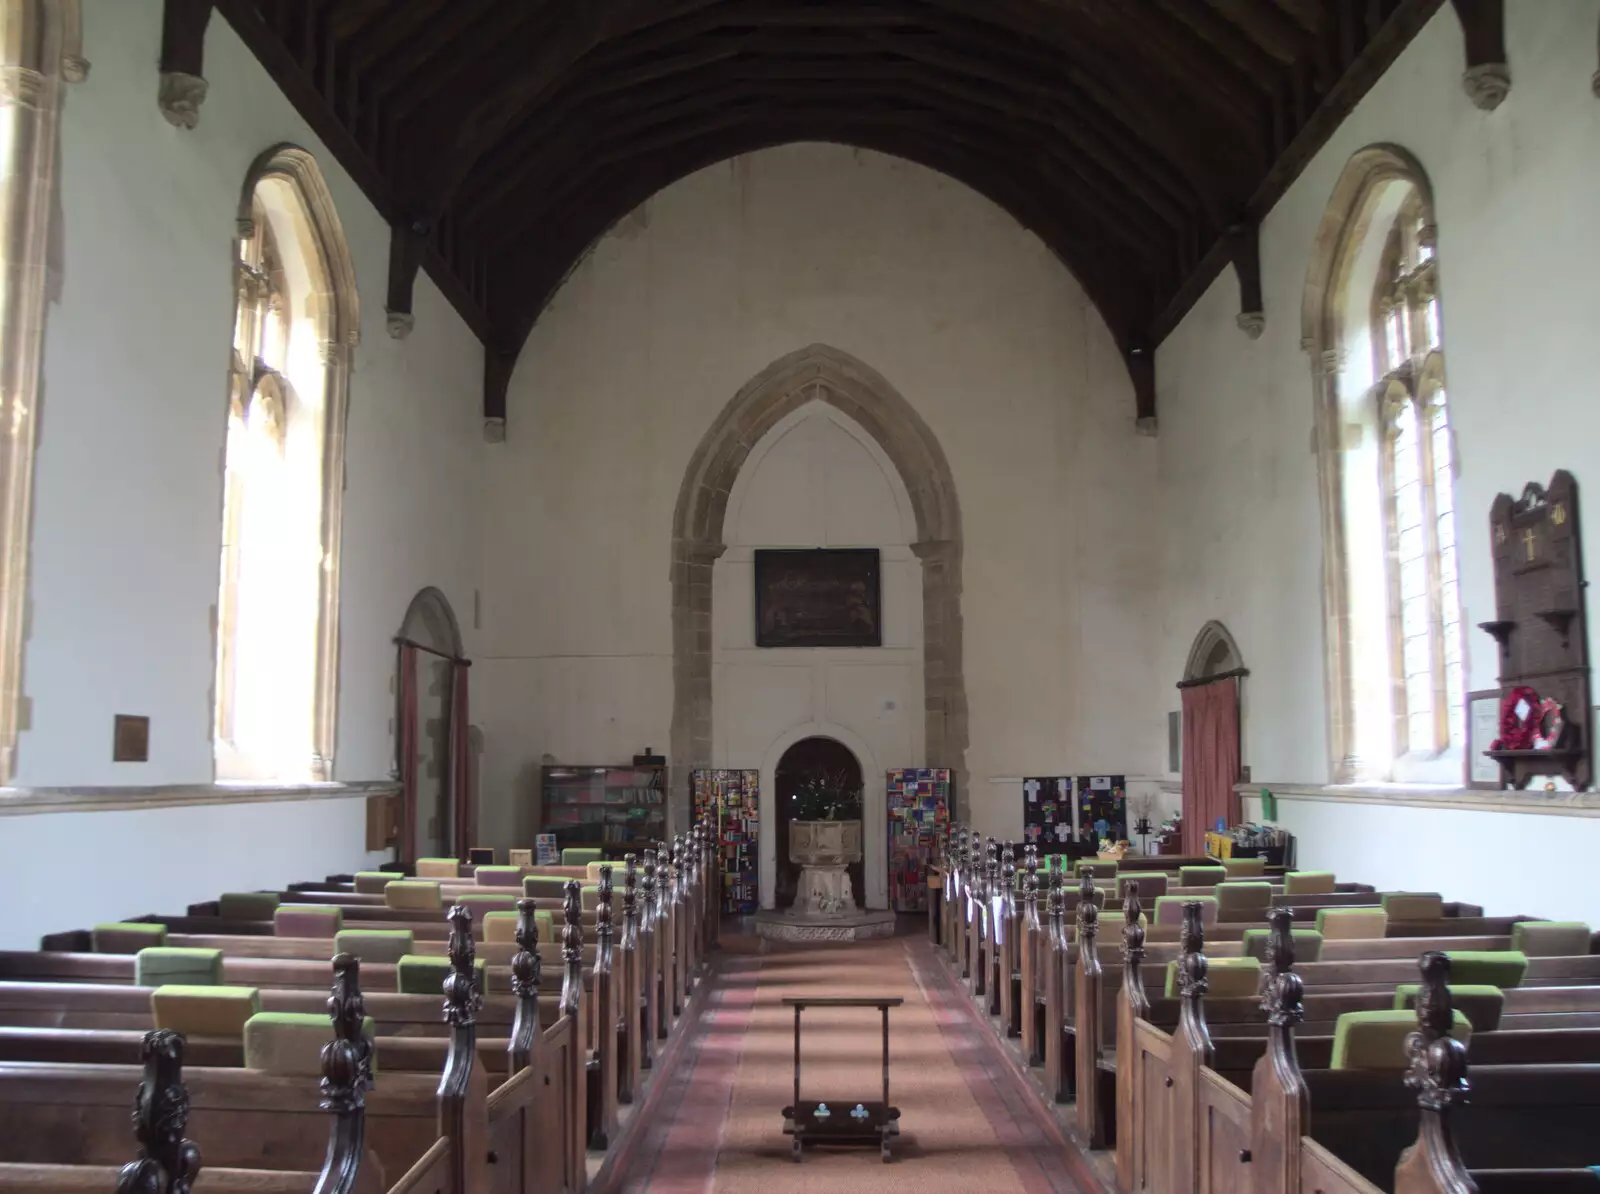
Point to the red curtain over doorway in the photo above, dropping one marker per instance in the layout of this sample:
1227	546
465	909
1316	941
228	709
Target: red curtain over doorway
406	747
461	761
1210	760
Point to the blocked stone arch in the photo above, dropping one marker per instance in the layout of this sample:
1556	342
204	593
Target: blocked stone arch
819	374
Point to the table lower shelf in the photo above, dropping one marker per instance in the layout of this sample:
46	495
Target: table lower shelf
841	1122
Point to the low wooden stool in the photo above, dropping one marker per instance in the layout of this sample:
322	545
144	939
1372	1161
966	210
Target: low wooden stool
840	1122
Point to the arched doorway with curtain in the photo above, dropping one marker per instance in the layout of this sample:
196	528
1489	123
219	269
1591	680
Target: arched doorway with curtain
1211	688
433	732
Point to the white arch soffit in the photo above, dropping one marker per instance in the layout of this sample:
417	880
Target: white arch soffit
774	436
874	810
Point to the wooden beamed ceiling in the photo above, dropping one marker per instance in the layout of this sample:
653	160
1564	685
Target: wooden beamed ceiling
1141	140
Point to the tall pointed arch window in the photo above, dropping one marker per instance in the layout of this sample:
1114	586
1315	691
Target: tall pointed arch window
277	604
1418	492
1387	462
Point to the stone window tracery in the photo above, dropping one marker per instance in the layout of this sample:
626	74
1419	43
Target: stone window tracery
277	606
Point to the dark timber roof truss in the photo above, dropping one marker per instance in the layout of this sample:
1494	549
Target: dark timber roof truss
1141	140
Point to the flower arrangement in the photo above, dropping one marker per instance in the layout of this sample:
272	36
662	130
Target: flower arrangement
826	796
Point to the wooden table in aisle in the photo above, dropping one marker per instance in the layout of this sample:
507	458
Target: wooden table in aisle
841	1122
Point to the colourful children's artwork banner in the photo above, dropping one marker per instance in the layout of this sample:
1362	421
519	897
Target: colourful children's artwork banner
1047	812
731	800
919	808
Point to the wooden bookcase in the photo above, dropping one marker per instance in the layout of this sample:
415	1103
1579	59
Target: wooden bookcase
617	809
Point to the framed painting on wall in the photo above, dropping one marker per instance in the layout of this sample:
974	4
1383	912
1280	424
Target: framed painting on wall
818	597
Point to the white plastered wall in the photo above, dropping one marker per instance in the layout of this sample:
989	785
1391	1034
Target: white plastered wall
1519	256
966	314
818	480
127	498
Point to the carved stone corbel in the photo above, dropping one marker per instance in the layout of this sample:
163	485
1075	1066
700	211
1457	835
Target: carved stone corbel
1487	79
1244	250
183	45
406	239
1142	369
497	367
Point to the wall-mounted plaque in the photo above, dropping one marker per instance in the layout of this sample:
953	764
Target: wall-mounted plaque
130	739
825	597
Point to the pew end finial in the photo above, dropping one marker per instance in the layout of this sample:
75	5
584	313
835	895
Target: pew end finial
167	1161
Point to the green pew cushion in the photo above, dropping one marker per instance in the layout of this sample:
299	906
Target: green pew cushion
420	895
1550	938
1307	944
1350	924
1413	905
498	876
438	868
1501	968
481	904
502	926
373	882
1377	1040
375	945
307	920
1151	884
205	1011
1308	883
1169	909
1482	1005
1201	876
424	974
1245	895
1229	978
291	1042
247	905
544	887
579	856
165	965
1244	868
127	937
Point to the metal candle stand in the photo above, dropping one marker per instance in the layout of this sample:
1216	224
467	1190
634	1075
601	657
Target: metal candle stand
841	1122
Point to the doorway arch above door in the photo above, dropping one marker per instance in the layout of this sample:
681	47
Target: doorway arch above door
1214	653
874	810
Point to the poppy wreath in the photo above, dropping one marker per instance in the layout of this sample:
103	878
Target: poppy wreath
1518	729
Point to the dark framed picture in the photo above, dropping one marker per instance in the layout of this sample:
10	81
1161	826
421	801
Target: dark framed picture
1483	727
819	597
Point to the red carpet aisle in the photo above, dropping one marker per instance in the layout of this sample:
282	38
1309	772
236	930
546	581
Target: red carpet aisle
968	1125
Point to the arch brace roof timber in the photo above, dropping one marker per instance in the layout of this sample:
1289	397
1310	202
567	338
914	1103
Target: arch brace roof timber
1143	140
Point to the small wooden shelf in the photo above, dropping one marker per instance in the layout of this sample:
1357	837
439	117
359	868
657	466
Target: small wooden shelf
1499	631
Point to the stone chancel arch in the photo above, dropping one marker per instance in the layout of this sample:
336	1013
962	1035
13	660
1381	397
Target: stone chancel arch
818	374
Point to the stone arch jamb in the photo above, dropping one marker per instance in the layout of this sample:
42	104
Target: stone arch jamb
819	373
1344	223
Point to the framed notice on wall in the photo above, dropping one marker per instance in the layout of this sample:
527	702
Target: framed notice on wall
825	597
1483	727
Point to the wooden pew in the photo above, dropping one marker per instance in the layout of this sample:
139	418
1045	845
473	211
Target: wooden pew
1276	1137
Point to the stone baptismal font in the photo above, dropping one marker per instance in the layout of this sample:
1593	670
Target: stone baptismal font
825	839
